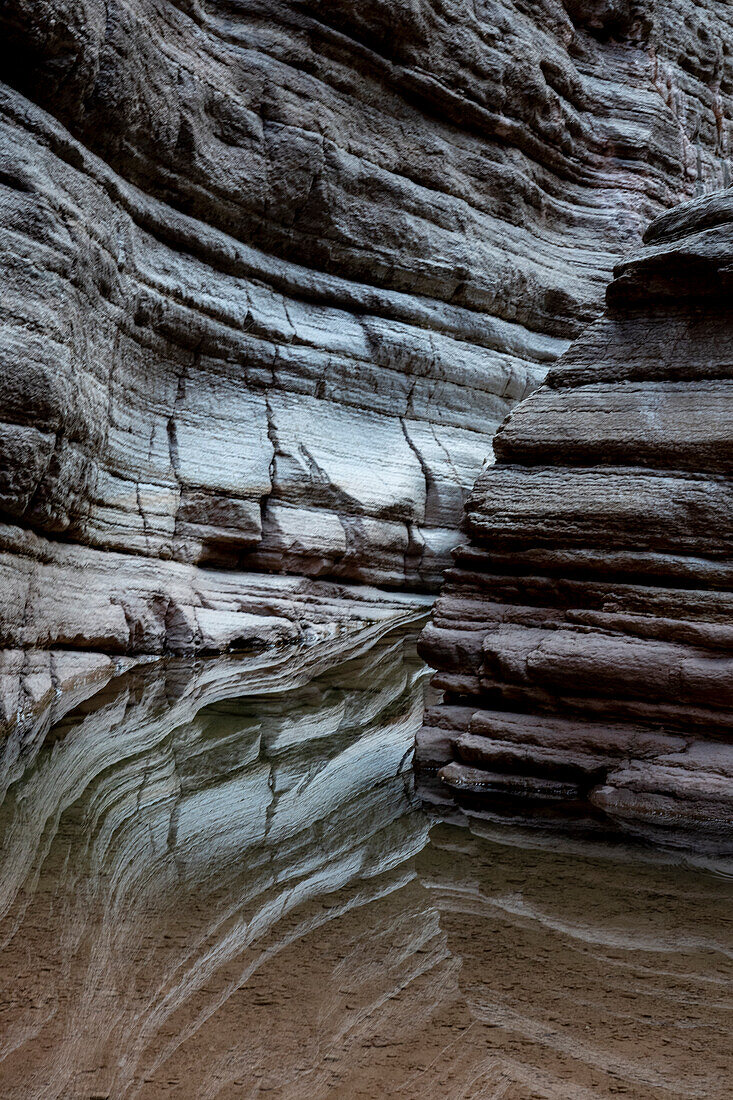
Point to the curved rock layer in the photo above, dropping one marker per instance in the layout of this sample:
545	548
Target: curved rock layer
584	637
275	272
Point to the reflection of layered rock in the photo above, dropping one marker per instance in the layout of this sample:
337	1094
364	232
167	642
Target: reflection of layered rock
216	883
584	637
275	272
585	973
500	971
176	831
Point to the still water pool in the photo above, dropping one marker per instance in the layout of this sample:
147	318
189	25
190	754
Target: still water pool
217	881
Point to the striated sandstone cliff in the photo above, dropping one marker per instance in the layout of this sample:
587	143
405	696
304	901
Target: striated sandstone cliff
584	636
273	273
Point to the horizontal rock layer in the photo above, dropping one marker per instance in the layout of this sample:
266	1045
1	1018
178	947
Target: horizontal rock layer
70	615
274	273
584	637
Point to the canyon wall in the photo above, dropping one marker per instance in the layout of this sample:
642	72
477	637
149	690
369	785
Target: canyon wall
273	274
584	636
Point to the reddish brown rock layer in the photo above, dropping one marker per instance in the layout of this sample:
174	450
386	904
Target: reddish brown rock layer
583	639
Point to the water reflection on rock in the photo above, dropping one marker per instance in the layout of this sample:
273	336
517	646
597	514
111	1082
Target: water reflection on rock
216	881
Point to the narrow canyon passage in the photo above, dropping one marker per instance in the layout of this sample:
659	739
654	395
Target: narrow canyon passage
303	355
217	880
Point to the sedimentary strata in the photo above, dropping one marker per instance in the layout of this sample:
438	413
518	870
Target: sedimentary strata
114	603
274	273
584	636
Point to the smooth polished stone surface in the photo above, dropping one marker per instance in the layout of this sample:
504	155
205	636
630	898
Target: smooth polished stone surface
217	881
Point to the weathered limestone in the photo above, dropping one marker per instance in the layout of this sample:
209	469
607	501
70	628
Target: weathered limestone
584	637
273	273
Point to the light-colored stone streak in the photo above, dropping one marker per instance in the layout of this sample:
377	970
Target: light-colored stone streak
205	402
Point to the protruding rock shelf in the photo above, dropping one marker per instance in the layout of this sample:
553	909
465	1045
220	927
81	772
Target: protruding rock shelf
584	638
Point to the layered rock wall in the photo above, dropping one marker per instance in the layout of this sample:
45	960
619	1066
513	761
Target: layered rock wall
275	272
584	637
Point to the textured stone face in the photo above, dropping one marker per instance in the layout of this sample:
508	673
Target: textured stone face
275	272
584	636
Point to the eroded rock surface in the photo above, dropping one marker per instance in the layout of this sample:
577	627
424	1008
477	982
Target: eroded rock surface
584	636
113	602
273	273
